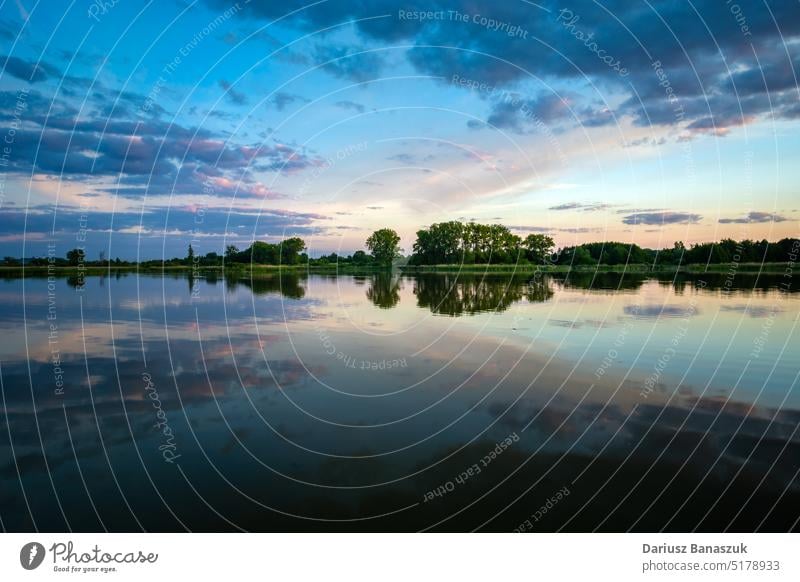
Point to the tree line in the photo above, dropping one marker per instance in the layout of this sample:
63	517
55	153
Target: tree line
383	246
725	251
454	242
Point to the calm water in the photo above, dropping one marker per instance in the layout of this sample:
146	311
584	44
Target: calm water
400	403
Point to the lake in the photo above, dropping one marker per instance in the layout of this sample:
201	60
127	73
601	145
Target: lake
386	402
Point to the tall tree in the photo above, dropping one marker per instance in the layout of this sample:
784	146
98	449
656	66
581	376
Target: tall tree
230	253
384	244
538	247
76	257
291	249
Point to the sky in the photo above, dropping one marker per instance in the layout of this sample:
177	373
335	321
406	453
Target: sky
134	128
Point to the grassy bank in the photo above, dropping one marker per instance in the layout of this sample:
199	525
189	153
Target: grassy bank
750	268
236	269
502	269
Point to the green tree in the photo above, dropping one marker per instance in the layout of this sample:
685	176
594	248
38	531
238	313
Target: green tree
76	257
582	257
190	255
230	253
263	253
291	249
384	244
360	258
211	260
538	247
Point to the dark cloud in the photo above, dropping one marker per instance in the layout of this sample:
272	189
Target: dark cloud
44	222
142	155
548	111
597	117
98	99
679	63
520	115
659	218
754	217
28	70
504	115
86	150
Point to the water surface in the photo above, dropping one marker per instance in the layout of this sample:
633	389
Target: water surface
388	402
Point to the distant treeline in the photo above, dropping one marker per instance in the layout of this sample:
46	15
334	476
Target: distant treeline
454	242
383	245
725	251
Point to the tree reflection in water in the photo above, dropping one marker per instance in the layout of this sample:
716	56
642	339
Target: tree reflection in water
384	290
468	294
287	284
457	294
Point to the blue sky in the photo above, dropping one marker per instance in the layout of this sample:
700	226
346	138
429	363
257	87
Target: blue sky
134	128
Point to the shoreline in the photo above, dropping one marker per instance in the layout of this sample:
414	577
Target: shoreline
184	269
637	269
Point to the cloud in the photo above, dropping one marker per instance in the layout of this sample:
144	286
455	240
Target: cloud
515	113
546	229
521	115
403	158
754	311
98	99
677	56
659	218
658	311
141	155
87	151
754	217
283	99
352	105
235	97
46	222
567	206
597	117
645	141
586	207
28	70
348	62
